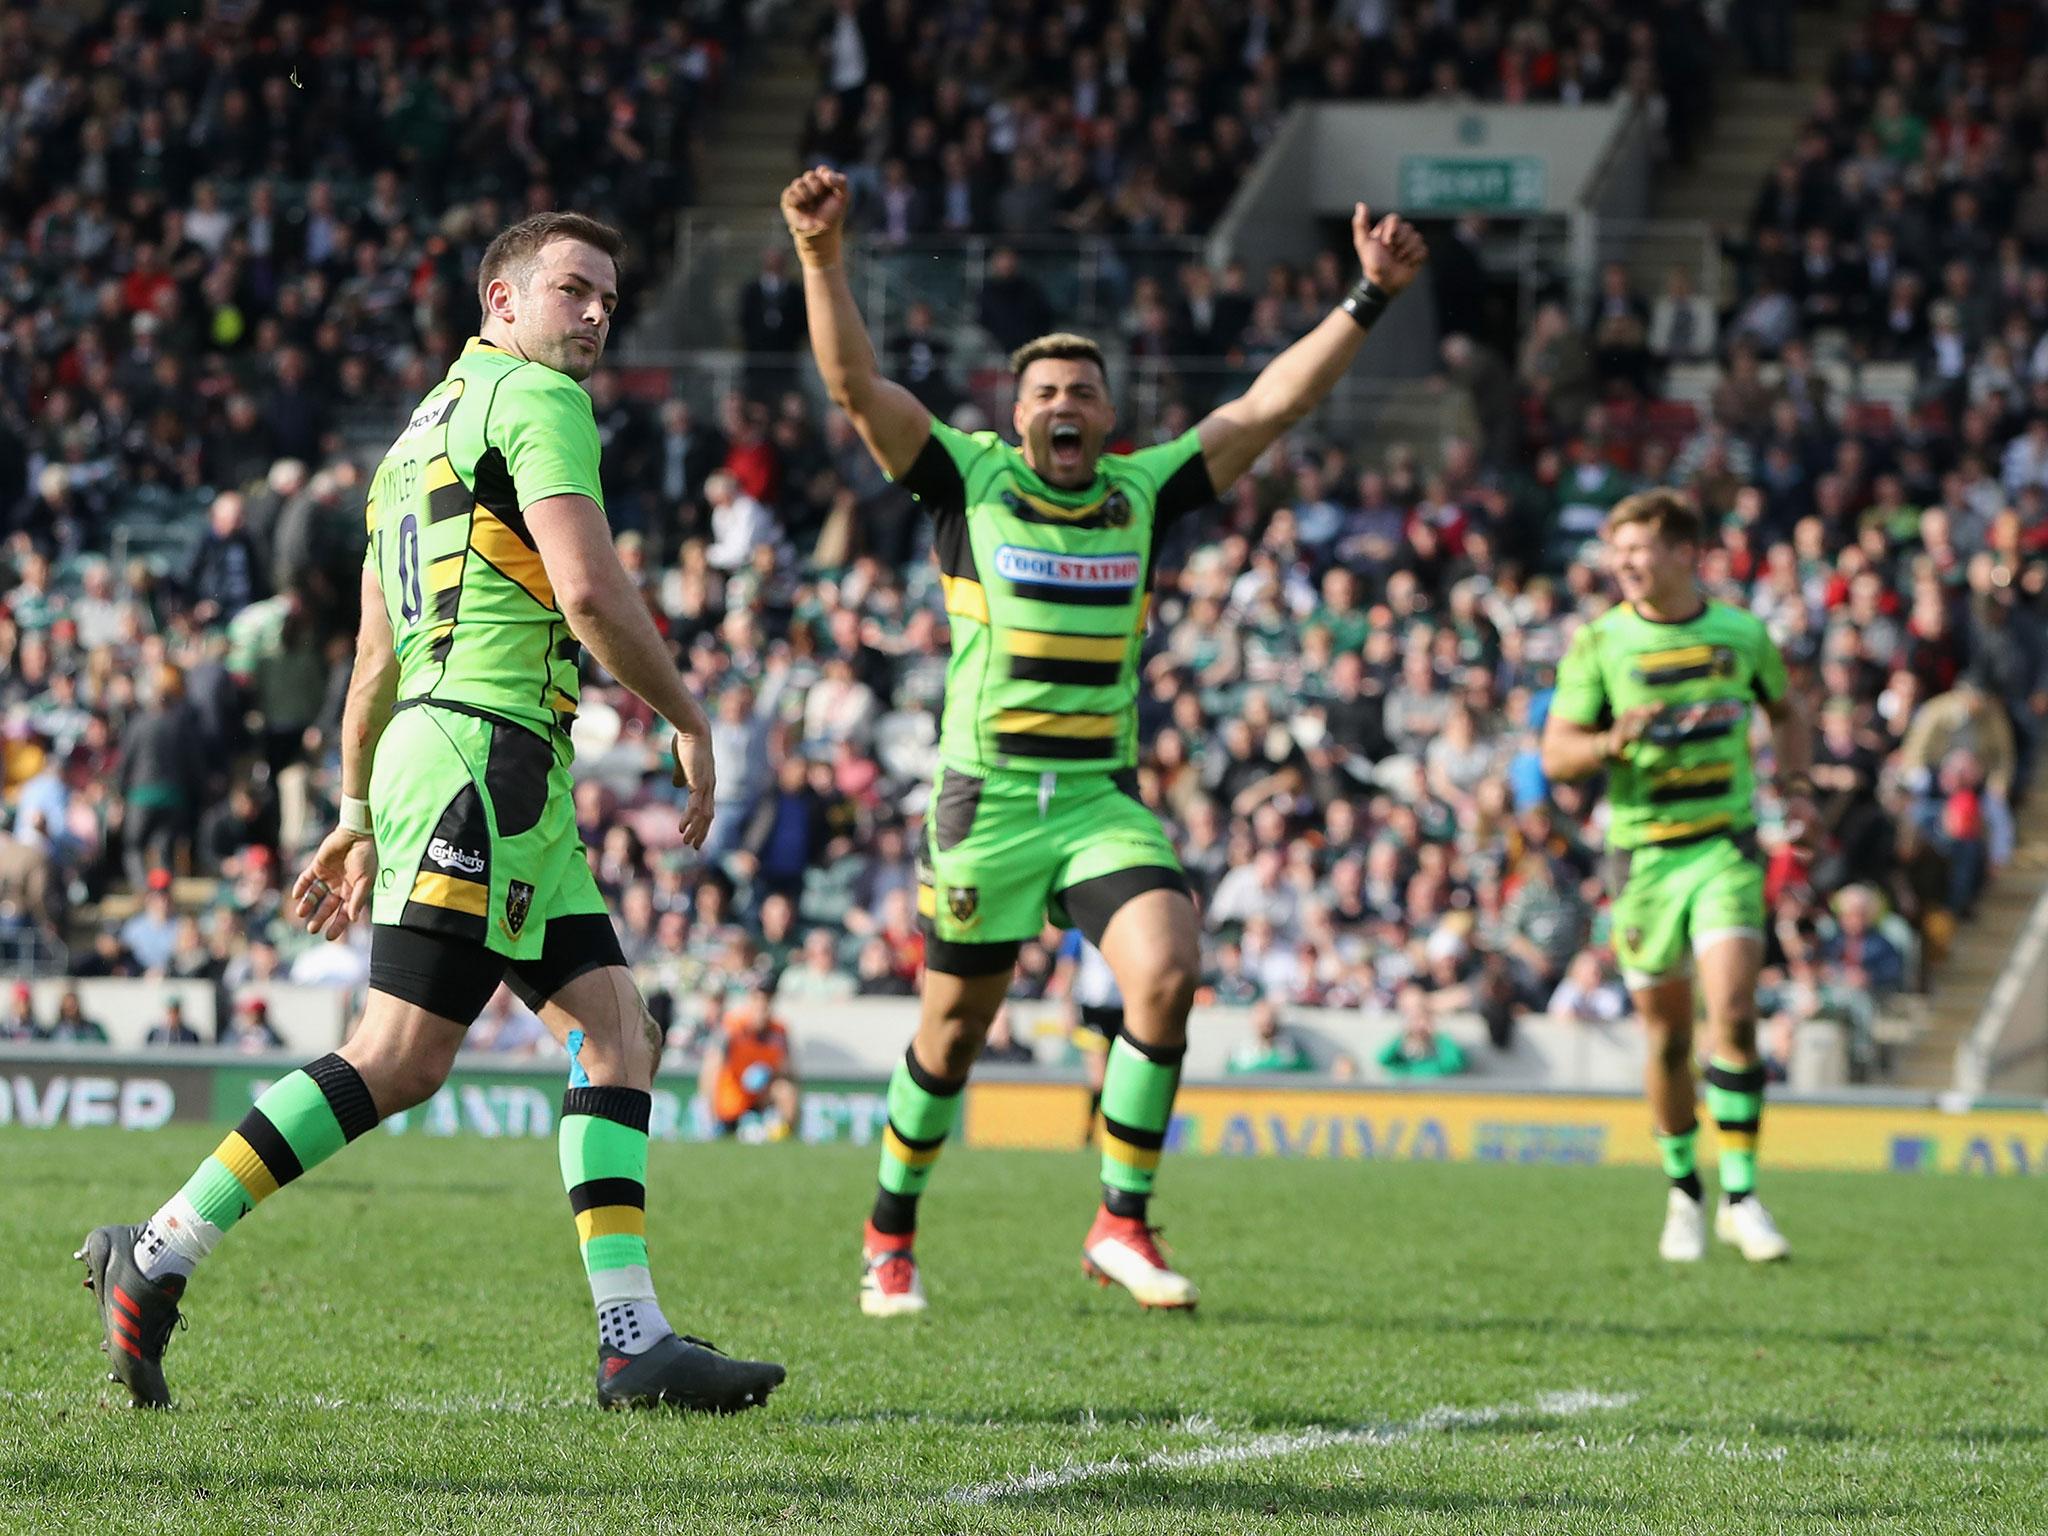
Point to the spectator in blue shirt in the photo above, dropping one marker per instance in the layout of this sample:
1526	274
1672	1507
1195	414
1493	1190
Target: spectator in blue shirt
151	935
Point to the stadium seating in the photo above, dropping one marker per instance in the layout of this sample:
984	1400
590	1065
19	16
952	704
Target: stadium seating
181	452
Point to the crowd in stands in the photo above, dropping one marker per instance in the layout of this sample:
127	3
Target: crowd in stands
1349	661
224	243
1137	120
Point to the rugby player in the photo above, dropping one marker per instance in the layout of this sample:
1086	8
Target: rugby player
489	568
1046	556
1658	694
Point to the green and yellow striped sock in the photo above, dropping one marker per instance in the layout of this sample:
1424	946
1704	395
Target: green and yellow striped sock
1679	1153
1138	1086
1735	1098
603	1144
301	1120
922	1111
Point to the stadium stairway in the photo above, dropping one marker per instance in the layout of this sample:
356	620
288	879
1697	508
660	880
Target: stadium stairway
1923	1049
1756	123
747	158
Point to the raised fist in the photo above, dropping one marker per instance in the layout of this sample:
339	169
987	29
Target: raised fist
814	206
1391	251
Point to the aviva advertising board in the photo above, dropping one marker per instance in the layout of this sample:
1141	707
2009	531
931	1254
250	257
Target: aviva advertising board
1434	1124
1592	1131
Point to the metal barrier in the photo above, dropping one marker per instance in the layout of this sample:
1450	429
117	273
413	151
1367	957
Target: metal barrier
1546	256
28	953
1663	244
1364	413
2010	1037
1087	279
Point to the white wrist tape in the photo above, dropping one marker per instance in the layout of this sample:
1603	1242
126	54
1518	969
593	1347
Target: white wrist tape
355	815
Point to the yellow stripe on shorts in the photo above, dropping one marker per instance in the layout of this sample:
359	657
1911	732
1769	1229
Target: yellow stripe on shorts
451	894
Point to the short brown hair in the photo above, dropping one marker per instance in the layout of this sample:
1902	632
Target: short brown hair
512	255
1673	518
1061	345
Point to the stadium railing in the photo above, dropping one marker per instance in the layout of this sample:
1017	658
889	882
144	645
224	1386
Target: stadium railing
1364	414
1086	278
26	951
860	1038
2006	1050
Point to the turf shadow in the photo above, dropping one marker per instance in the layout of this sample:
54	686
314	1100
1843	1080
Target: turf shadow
60	1479
1353	1499
1833	1432
1267	1319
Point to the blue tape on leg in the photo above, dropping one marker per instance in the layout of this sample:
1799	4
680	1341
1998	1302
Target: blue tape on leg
578	1078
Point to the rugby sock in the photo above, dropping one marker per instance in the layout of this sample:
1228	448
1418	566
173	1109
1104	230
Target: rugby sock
300	1120
922	1111
1137	1105
603	1142
1680	1155
1735	1098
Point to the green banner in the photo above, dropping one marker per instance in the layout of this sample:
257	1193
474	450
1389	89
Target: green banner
1456	184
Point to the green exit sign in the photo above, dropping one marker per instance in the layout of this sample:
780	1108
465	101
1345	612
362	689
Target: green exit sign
1443	183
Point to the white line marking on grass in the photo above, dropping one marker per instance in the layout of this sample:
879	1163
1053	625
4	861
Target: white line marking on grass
1295	1443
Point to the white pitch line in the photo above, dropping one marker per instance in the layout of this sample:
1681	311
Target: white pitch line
1273	1446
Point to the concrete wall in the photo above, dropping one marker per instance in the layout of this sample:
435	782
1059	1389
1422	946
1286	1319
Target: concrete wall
863	1038
867	1035
309	1019
1358	146
1328	156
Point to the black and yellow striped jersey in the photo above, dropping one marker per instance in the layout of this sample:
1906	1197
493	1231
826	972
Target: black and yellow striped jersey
472	611
1691	774
1048	592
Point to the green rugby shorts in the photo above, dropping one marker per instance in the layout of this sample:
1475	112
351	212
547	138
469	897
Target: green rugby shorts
476	831
1673	903
1008	851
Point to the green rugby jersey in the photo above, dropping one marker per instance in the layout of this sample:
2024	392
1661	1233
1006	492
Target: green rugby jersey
1690	775
1048	591
472	611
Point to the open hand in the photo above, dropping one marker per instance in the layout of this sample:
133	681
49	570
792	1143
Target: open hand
333	890
1391	251
696	773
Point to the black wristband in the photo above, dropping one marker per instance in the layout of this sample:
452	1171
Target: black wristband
1365	302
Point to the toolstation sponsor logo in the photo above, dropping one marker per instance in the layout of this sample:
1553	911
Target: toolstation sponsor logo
1043	568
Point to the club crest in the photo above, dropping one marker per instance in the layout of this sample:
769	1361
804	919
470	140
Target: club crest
964	902
518	902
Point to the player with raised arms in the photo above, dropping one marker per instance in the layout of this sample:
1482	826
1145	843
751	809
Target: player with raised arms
489	567
1658	693
1046	558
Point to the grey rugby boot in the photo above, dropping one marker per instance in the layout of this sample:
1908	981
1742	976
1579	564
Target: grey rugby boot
686	1373
137	1314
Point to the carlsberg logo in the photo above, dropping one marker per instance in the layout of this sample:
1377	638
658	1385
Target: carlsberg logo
1043	568
448	856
